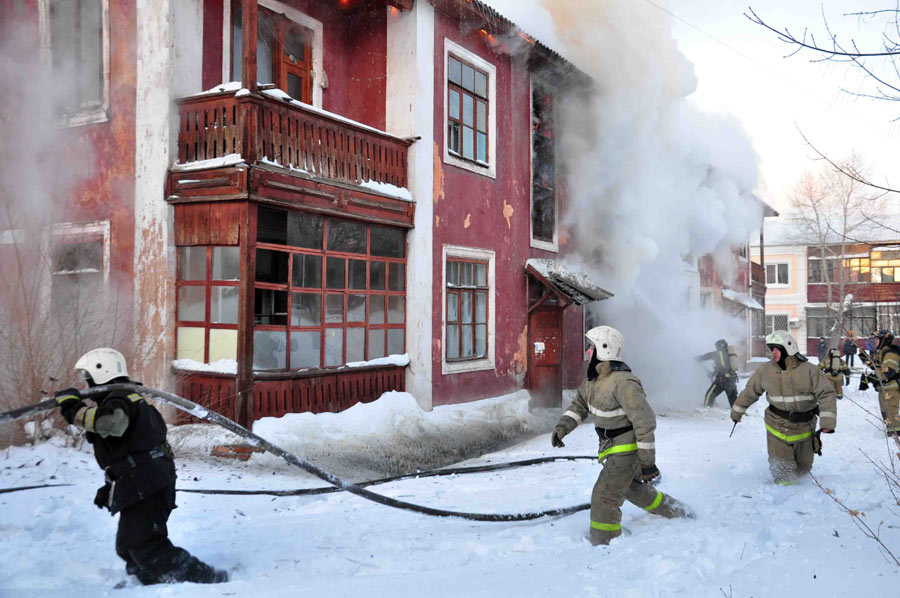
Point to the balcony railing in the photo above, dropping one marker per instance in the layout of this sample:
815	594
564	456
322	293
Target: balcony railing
291	134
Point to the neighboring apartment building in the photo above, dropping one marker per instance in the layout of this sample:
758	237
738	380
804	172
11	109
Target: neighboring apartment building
373	208
798	285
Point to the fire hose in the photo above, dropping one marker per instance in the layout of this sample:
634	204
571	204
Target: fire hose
337	483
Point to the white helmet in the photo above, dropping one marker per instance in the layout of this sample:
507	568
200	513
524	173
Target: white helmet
608	343
784	339
102	365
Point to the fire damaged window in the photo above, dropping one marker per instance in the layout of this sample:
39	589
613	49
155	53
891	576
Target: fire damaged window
207	289
467	110
543	166
467	309
75	37
77	275
327	291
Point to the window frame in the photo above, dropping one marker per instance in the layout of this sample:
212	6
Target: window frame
787	321
540	243
490	168
456	252
776	284
473	290
91	114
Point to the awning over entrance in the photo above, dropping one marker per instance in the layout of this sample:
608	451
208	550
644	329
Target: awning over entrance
741	299
570	285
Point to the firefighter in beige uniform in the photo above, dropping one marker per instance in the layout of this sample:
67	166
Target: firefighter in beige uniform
625	423
887	362
797	391
837	372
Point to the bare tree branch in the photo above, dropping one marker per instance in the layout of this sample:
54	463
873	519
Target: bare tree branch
850	172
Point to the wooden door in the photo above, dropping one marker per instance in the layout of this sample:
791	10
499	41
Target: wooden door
545	356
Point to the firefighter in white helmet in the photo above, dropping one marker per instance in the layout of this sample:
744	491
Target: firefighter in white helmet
129	439
798	394
625	423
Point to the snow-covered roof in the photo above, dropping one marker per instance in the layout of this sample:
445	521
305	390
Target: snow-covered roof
578	286
741	298
793	231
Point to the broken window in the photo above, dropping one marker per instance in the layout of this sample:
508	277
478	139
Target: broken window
77	275
77	55
543	166
467	110
467	309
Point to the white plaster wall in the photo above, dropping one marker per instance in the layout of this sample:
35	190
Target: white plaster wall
410	112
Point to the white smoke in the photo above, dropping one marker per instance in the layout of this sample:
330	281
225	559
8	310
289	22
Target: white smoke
653	184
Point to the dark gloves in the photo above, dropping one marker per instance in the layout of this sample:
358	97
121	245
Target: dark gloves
817	440
69	401
556	438
649	475
876	383
863	382
101	499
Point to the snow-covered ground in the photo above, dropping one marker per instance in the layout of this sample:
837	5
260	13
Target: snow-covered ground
750	538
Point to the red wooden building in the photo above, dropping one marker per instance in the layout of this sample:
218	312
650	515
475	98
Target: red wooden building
288	187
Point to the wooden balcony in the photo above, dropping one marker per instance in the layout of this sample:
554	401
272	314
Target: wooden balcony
263	128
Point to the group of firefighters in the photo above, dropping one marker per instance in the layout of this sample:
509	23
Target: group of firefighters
129	438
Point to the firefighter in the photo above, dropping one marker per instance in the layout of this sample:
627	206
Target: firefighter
836	371
887	367
625	423
129	439
724	360
797	392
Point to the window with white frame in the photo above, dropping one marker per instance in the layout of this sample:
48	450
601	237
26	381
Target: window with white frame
79	267
470	110
468	309
75	47
777	274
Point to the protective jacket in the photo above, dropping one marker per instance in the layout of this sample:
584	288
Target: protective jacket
836	370
797	392
724	361
623	418
887	362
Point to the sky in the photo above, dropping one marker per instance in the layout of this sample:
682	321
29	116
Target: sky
741	69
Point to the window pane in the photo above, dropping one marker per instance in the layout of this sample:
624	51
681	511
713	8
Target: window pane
465	308
482	116
468	111
307	271
306	310
295	86
376	343
481	149
334	273
876	274
453	104
396	309
396	276
480	339
481	84
190	343
192	304
270	307
271	266
334	309
269	349
481	275
388	242
887	275
466	346
356	344
466	270
271	225
468	143
226	263
480	308
782	273
223	305
357	274
452	273
334	346
91	79
193	263
222	344
306	349
356	308
305	230
237	37
376	276
265	45
454	71
453	307
396	341
376	309
453	136
452	341
346	236
468	77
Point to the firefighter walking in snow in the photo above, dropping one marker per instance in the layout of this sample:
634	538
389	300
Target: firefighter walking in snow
724	360
797	392
129	439
625	423
887	367
836	371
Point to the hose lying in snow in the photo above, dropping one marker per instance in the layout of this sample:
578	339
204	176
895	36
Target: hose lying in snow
220	420
5	490
407	476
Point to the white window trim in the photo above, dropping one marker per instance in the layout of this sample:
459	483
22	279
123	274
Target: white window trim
489	169
488	362
81	233
96	115
319	78
778	285
537	243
